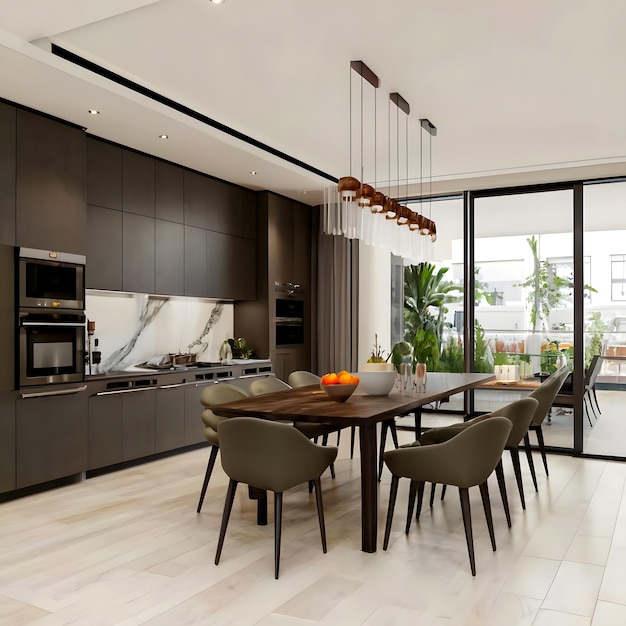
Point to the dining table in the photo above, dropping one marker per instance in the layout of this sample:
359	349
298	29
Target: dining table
311	404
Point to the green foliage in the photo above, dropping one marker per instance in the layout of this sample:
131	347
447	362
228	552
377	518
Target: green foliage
241	348
452	358
426	349
402	352
378	355
483	359
595	331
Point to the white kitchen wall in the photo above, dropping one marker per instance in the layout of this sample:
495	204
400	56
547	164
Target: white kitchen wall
132	328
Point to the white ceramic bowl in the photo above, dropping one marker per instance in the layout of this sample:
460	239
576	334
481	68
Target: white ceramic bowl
376	383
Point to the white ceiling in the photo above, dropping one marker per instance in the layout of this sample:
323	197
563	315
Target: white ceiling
528	92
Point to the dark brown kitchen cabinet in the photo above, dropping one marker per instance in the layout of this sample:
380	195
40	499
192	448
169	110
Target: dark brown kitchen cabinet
169	192
104	174
138	235
105	430
104	249
230	209
51	437
194	427
50	184
138	425
289	359
7	442
170	418
138	183
231	267
195	202
195	262
7	318
170	258
7	173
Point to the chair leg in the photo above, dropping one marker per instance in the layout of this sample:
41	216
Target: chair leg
352	436
595	398
338	437
392	504
320	511
278	524
542	447
529	456
589	404
394	432
383	436
443	492
420	498
484	494
409	513
228	505
467	523
433	487
503	494
518	474
587	410
207	475
332	465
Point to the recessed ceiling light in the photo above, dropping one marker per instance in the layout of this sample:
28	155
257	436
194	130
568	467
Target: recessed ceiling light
93	112
217	1
164	136
253	172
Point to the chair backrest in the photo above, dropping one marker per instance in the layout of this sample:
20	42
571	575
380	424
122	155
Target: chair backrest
268	384
302	378
212	395
269	455
547	392
591	373
465	460
521	413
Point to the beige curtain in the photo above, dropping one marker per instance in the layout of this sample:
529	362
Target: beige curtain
337	303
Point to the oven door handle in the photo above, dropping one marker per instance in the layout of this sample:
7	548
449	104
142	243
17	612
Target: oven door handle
55	324
57	392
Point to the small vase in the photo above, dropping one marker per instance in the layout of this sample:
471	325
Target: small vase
420	377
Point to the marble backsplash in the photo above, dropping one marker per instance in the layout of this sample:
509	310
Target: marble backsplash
133	328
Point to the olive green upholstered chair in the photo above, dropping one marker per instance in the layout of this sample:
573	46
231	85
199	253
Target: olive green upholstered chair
210	396
302	378
270	384
274	457
465	460
545	394
519	413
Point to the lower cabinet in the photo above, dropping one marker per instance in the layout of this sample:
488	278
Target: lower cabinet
105	430
287	360
170	418
7	442
138	425
51	435
194	427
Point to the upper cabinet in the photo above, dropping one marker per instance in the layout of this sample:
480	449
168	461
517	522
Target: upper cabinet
7	174
50	191
104	174
169	189
138	183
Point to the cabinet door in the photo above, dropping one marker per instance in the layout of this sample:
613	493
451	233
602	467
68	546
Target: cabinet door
51	438
138	253
7	174
7	318
104	174
169	192
138	425
223	207
302	247
105	431
50	185
138	183
248	214
170	418
195	262
7	442
194	427
280	240
104	249
170	258
287	360
195	207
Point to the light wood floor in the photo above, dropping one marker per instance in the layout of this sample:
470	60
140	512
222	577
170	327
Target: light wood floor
128	548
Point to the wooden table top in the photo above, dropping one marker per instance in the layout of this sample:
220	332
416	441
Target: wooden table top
524	383
311	403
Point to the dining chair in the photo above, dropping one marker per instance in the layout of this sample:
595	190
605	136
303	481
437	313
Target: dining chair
465	460
210	396
270	384
545	395
591	374
519	413
273	457
303	378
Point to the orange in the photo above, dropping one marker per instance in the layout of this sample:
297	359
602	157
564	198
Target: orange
329	379
354	380
342	373
345	378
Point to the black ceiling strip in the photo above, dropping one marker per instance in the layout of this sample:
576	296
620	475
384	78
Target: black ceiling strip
181	108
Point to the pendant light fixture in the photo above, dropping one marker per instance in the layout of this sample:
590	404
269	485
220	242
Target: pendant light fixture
428	226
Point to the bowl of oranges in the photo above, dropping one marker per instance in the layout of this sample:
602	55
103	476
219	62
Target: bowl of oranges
339	386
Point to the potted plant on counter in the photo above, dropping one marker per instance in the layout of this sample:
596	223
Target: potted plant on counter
241	348
377	361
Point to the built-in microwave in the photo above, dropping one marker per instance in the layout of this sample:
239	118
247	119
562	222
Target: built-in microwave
50	280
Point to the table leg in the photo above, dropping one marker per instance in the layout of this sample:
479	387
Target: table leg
260	495
369	488
418	422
